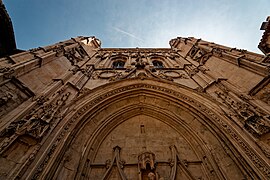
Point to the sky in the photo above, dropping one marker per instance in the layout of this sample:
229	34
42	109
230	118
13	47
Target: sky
138	23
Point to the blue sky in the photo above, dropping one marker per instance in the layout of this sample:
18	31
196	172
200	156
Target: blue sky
138	23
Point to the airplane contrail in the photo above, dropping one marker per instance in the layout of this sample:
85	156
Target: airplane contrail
127	33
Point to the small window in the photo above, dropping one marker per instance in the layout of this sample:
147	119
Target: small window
157	64
118	64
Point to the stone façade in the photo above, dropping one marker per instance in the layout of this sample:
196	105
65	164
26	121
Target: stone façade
74	110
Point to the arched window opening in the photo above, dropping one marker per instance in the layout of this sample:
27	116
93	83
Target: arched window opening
157	64
118	64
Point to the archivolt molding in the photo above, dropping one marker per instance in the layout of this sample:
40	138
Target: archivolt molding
116	118
159	113
188	97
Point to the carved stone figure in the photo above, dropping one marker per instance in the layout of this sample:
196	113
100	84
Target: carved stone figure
146	158
12	128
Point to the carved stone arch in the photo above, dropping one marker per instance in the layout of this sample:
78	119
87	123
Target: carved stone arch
159	114
157	57
122	57
174	97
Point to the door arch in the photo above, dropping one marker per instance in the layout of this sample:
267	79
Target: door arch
98	113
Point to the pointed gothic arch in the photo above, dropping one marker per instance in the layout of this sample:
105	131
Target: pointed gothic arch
98	112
